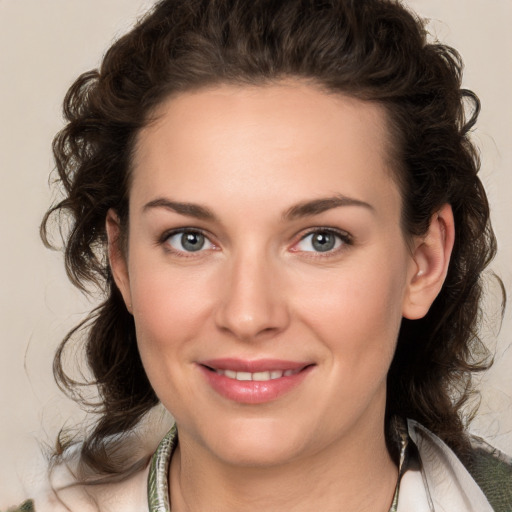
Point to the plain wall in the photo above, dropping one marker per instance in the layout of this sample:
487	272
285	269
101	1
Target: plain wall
44	46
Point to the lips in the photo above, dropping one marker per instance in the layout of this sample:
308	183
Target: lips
253	382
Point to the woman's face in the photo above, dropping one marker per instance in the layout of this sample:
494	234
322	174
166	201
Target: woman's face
266	268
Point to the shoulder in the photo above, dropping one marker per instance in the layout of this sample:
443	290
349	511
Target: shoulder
485	482
492	470
62	493
26	506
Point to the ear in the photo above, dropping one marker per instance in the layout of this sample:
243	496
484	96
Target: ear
431	257
117	257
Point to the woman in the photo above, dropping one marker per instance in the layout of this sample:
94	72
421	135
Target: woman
280	201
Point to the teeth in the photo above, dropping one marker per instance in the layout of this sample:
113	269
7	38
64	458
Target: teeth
261	376
257	376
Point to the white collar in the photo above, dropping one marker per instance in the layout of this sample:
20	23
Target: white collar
442	484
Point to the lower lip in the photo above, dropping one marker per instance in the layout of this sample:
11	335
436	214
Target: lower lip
253	391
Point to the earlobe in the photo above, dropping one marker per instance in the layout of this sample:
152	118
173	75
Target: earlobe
117	257
431	258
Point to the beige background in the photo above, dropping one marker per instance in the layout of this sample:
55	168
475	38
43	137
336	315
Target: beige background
44	45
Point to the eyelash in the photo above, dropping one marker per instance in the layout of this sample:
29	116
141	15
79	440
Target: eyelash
345	238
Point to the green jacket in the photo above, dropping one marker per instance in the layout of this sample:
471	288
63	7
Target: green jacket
493	473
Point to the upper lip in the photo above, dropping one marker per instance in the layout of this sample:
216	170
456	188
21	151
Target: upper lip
254	366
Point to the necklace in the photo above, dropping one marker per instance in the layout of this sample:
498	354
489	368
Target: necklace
158	478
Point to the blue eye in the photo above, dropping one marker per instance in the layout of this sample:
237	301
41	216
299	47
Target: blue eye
321	240
188	241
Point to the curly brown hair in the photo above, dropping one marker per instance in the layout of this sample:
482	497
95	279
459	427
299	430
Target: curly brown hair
374	50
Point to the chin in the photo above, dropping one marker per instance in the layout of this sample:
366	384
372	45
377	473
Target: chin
257	442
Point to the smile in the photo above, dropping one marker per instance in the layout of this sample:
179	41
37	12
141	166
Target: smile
257	376
254	382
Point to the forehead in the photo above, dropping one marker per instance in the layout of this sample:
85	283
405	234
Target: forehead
286	138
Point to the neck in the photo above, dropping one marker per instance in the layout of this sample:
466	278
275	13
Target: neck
347	475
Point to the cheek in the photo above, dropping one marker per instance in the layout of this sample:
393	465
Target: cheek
357	312
170	309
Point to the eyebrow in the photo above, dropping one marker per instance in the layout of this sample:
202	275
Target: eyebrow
317	206
188	209
300	210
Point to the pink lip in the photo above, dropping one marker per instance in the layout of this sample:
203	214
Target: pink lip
253	392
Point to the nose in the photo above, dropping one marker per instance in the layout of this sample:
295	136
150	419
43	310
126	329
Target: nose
252	303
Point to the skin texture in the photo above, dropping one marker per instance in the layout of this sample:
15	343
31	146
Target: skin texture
258	289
